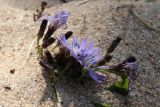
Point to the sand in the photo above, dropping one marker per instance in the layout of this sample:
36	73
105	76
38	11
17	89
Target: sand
103	21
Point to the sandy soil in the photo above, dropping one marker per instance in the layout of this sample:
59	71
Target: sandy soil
29	86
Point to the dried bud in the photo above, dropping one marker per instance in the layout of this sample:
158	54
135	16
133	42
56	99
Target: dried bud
114	44
107	58
49	57
68	34
48	42
48	34
130	60
42	29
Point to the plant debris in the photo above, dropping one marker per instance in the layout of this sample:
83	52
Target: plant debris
12	71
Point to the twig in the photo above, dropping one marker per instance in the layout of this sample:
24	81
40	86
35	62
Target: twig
122	36
57	96
81	2
114	9
54	81
28	53
147	24
39	12
30	48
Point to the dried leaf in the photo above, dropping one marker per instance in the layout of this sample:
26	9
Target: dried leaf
49	57
48	42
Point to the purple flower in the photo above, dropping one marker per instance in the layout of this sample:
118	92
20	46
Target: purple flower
97	76
57	20
133	73
129	66
86	54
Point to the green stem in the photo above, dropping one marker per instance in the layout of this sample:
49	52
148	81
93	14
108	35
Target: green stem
84	72
65	69
39	47
40	51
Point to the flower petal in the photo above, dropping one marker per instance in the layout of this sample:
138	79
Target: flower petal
83	44
75	43
104	67
97	77
64	42
90	46
57	20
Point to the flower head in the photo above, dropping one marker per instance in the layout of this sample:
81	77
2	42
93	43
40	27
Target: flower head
129	66
86	54
57	20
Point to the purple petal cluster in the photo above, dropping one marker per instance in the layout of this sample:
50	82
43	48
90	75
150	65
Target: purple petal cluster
86	54
57	20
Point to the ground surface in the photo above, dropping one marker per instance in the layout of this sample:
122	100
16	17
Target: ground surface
103	20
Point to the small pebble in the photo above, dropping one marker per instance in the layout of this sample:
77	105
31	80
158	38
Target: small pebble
7	88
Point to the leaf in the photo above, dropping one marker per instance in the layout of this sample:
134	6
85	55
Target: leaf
65	69
100	105
120	87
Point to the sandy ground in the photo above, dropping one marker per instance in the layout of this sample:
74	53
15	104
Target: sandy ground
29	86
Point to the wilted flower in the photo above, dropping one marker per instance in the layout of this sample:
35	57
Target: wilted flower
129	66
86	54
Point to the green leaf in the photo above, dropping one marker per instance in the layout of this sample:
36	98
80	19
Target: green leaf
83	75
116	72
101	105
84	72
120	86
65	69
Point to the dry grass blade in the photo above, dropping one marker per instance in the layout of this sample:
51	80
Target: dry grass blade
81	2
147	24
28	53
